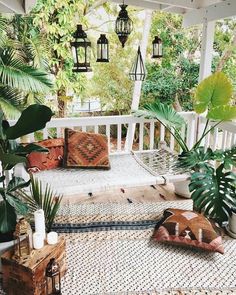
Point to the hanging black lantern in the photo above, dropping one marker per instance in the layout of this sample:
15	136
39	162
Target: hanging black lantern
138	70
102	49
157	48
53	278
81	50
124	25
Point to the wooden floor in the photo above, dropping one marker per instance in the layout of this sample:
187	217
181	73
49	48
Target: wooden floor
147	194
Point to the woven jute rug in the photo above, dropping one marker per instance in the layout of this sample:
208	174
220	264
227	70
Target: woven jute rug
110	252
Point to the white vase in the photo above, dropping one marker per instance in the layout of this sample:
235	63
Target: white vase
3	248
182	190
232	223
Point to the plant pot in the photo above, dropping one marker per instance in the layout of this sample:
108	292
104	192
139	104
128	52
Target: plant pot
3	248
182	190
232	223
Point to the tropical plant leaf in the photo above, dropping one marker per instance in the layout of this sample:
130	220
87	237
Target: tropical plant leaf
195	158
32	119
42	197
163	113
16	74
7	217
10	160
214	192
17	183
17	204
228	157
29	148
216	90
222	113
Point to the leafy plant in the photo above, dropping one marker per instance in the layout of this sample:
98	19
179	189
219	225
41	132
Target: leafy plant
213	95
32	119
213	188
41	197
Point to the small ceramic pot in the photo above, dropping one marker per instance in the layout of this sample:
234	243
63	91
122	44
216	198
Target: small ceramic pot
232	222
182	190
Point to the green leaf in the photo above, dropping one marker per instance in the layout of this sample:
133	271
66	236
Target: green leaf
195	158
32	119
17	183
10	160
25	150
17	204
214	192
216	90
163	113
7	217
222	113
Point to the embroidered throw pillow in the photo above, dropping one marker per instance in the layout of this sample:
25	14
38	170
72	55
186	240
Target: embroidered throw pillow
85	150
45	161
188	228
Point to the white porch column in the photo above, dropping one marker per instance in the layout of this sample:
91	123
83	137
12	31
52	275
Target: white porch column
208	33
138	84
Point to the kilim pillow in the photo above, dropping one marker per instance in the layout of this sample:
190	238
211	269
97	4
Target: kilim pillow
85	150
45	161
188	228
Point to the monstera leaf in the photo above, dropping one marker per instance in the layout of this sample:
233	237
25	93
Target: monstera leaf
32	119
228	157
195	158
163	113
222	113
214	91
214	192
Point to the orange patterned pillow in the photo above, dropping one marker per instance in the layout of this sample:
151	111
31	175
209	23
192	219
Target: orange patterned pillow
188	228
85	150
45	161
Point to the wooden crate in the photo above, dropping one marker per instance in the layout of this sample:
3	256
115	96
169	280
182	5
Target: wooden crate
29	278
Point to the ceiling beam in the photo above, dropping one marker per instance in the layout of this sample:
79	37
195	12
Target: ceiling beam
29	4
15	6
188	4
141	3
213	12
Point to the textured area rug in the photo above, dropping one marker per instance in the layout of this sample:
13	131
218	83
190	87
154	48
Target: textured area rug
110	252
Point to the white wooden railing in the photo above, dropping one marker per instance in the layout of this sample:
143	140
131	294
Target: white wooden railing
149	133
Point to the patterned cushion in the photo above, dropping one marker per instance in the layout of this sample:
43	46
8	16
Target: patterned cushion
85	150
45	161
188	228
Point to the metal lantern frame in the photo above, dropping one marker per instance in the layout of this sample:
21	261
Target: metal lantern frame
102	49
138	71
124	25
81	43
157	48
22	241
53	277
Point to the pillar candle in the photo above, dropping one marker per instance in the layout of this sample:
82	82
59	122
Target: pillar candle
39	221
38	240
52	238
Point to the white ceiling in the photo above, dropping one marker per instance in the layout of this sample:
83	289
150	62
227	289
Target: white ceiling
194	11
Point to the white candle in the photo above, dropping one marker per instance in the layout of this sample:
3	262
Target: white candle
38	241
52	238
39	221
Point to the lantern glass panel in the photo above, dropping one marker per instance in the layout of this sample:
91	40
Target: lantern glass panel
81	51
157	48
102	49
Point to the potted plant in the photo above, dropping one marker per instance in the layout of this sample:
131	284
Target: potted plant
33	118
212	97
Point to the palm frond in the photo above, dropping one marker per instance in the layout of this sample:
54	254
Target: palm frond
42	197
16	74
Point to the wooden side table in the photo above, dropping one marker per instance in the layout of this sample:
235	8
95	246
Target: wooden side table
28	278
